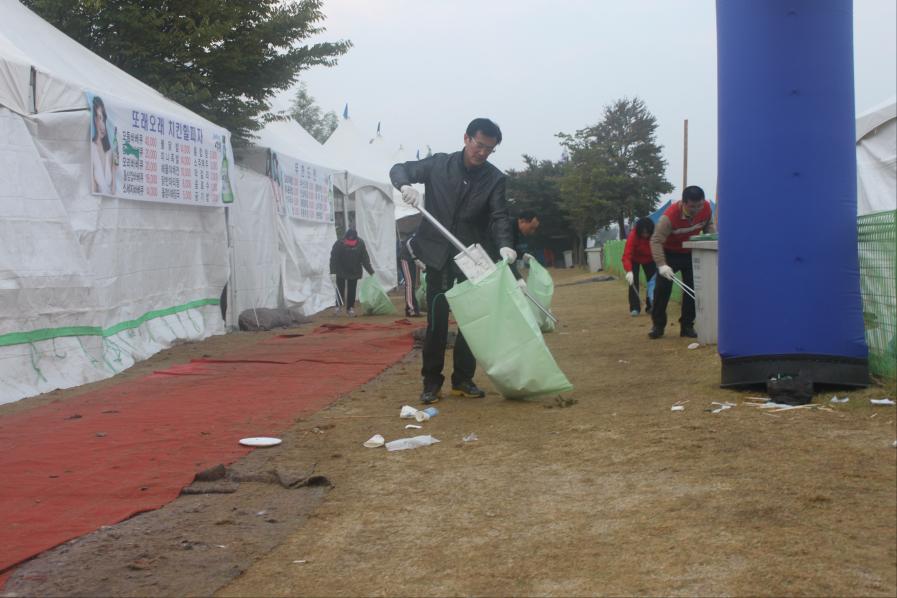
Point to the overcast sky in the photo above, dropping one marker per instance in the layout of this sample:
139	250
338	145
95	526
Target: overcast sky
424	68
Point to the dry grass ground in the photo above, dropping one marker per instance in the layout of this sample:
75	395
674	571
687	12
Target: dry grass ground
606	492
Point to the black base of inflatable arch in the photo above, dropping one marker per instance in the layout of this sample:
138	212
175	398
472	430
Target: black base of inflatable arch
822	369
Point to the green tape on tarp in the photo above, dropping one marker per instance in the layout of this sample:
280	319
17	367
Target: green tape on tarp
43	334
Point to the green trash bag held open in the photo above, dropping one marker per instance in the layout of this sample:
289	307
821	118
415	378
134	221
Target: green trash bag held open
374	300
501	330
541	287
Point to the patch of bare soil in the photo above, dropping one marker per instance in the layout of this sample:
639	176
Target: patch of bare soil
604	490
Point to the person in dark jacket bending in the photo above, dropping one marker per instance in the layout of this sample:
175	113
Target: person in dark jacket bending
465	194
347	257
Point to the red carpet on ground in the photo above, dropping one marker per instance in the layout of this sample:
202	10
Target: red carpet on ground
67	468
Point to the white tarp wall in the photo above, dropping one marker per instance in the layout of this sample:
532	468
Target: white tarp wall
280	260
88	284
877	159
257	260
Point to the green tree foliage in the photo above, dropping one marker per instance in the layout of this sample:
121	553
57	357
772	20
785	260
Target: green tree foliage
536	188
224	60
615	170
307	113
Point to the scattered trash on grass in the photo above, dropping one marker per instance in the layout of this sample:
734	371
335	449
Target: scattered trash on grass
885	401
409	412
677	408
894	445
838	401
413	427
622	361
260	441
721	406
694	345
410	443
300	562
472	437
375	441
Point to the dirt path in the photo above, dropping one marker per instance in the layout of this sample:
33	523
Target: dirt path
612	494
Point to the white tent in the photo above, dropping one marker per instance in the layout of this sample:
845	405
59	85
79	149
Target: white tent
877	159
279	260
366	181
89	284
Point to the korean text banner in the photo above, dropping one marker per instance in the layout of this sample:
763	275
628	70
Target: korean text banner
136	153
301	190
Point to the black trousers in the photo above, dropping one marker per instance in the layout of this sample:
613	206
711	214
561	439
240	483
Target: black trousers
346	288
650	268
679	262
464	364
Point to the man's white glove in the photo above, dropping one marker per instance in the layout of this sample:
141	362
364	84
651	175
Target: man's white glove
508	254
521	284
410	195
666	272
421	265
526	258
630	278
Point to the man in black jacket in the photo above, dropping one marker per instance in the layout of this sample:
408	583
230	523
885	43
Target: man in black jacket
465	194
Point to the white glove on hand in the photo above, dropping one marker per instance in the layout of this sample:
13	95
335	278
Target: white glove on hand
630	278
526	258
666	272
421	265
508	254
410	195
521	284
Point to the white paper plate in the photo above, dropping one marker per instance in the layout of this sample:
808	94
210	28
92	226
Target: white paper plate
260	441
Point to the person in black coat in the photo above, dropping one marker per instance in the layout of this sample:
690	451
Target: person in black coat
348	256
466	194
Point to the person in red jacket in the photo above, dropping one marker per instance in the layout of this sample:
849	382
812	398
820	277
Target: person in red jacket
636	254
681	221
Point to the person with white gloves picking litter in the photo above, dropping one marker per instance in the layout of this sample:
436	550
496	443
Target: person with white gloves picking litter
637	254
681	221
466	194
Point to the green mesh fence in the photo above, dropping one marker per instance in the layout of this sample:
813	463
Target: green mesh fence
878	281
613	261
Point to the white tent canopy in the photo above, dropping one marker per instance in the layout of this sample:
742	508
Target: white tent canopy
284	261
366	179
91	283
877	159
279	260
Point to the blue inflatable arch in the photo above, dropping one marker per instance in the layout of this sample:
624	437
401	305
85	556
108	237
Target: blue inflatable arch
789	292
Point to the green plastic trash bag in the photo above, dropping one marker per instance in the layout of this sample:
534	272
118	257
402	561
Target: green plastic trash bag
541	287
421	292
502	332
374	300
